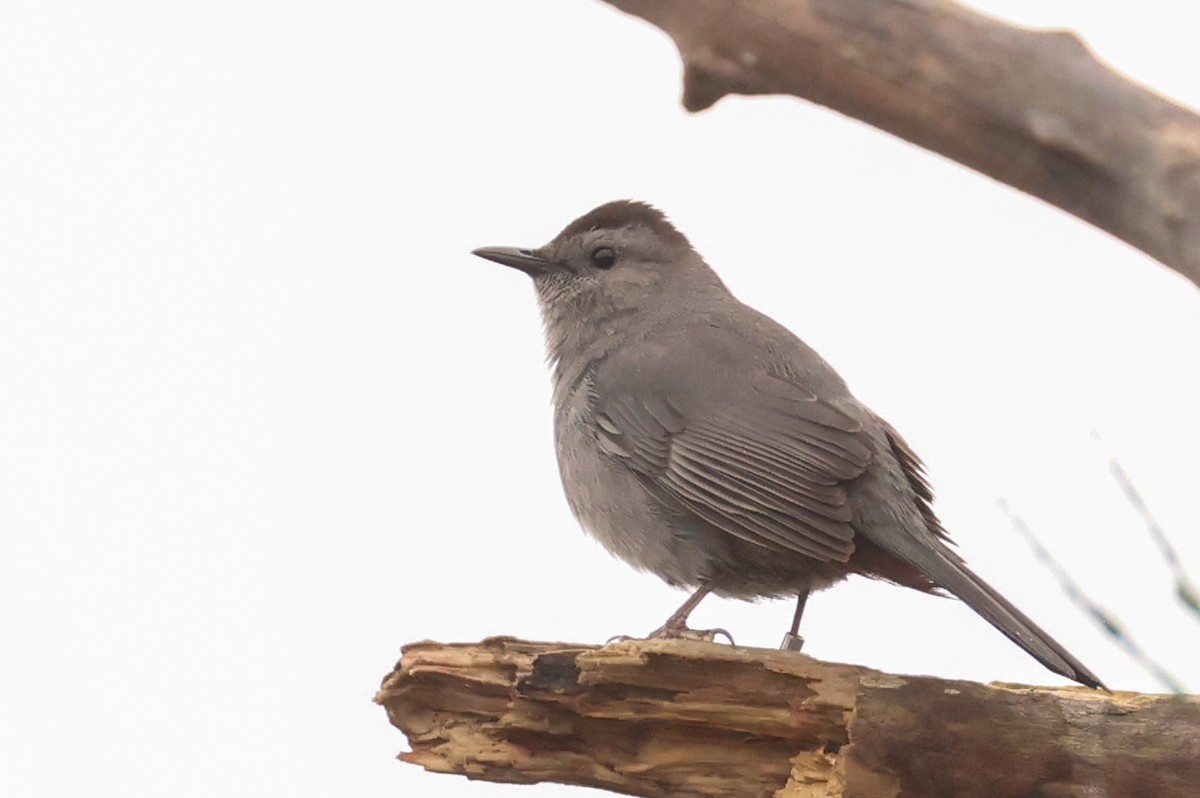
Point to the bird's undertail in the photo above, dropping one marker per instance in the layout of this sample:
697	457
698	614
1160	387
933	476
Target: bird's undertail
951	574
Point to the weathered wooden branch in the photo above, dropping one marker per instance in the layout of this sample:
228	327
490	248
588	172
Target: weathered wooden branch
685	718
1034	109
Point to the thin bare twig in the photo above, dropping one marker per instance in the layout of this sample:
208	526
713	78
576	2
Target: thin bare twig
1108	622
1185	591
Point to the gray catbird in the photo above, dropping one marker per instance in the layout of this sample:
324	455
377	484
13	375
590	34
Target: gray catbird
701	441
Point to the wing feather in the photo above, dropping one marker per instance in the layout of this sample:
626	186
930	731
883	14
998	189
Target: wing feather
831	498
741	518
766	465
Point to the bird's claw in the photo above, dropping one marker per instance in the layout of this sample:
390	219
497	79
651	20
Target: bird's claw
681	632
677	633
707	635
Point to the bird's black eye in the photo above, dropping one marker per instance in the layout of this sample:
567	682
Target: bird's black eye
603	257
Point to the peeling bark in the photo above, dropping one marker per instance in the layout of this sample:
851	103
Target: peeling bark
685	718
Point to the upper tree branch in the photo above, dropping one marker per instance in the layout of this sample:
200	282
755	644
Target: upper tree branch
1034	109
680	718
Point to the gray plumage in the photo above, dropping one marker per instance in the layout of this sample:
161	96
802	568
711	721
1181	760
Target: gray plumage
701	441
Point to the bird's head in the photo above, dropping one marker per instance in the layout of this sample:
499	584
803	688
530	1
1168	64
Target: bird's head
614	268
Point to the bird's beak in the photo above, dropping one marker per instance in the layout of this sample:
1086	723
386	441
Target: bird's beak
526	260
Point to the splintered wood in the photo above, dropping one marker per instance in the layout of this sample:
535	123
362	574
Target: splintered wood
686	718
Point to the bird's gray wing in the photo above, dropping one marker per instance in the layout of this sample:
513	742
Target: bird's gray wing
764	461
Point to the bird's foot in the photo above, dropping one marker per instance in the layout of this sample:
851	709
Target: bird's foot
677	633
792	642
680	631
707	635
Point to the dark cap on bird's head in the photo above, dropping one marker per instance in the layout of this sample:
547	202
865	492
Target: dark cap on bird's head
621	214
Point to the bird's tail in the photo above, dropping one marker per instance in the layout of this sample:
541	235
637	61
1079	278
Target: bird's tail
950	573
929	555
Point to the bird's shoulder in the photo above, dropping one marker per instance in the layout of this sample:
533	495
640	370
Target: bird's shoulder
711	357
716	378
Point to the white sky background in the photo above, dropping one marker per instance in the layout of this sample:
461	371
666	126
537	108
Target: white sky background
263	418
